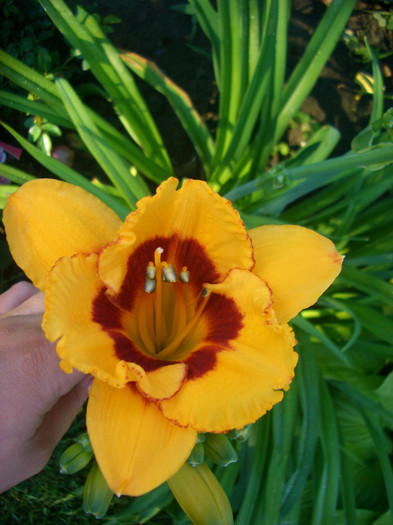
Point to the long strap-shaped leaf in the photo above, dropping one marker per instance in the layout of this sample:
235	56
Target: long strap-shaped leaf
14	174
377	110
208	20
29	79
318	51
264	91
180	102
324	170
54	110
33	107
231	73
110	71
110	162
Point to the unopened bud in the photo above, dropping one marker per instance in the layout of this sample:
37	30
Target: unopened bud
74	459
84	441
197	455
97	495
219	449
200	495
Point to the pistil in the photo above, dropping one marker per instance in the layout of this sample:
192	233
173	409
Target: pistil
172	346
170	332
158	299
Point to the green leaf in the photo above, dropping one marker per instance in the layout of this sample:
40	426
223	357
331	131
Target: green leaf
14	174
363	281
180	102
378	92
385	392
110	71
5	190
383	451
110	162
303	78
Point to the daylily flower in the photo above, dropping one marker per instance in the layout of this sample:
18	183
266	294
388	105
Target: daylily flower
178	313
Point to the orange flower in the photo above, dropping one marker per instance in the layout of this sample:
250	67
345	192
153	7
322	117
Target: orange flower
178	313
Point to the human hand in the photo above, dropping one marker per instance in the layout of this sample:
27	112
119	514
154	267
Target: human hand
38	401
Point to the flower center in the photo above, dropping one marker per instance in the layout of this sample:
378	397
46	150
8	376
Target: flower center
172	308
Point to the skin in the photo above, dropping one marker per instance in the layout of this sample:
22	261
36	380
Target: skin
38	401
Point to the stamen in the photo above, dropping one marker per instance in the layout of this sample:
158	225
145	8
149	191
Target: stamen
150	283
168	350
169	274
184	275
205	292
151	271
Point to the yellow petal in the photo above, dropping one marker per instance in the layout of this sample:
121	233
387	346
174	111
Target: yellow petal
164	382
136	448
232	383
297	263
72	287
192	224
47	219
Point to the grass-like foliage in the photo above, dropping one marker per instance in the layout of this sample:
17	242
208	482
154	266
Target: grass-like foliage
322	455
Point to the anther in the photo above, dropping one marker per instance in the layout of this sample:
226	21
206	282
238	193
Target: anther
184	275
205	292
150	282
168	273
151	271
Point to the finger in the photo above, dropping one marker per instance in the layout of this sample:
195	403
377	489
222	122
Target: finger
31	362
34	305
16	295
57	421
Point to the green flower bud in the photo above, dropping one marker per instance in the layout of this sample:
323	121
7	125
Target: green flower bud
74	459
84	441
200	495
97	496
197	455
220	450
